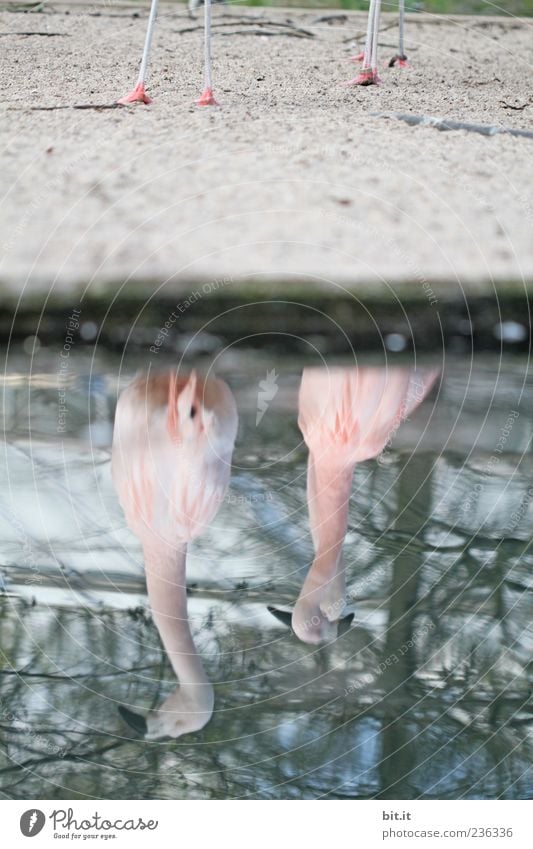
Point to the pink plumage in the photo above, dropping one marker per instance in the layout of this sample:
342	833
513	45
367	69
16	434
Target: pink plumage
348	415
172	450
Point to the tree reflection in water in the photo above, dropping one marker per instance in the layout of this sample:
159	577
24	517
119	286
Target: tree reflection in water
427	695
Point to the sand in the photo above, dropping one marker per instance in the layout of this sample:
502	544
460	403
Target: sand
292	180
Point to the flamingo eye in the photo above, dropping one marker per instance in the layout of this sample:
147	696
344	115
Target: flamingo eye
193	412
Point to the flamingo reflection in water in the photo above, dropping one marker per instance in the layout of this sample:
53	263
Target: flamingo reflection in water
346	415
172	448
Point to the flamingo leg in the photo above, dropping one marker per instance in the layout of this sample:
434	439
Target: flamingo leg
207	98
369	72
400	59
402	26
138	94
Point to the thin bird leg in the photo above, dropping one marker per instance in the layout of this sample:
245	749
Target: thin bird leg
400	59
207	98
138	95
375	34
402	29
369	72
363	56
367	54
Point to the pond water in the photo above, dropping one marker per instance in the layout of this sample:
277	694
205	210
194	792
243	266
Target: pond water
426	695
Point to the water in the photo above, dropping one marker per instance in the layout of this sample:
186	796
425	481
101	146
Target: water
427	695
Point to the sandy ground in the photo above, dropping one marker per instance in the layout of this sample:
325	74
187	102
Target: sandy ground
293	178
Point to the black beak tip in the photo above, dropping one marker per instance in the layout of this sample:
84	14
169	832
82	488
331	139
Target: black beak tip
283	616
134	720
346	623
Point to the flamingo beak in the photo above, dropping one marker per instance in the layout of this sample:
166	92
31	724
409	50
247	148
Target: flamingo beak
345	623
134	720
285	617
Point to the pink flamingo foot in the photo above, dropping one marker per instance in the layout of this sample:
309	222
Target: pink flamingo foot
367	76
138	95
207	98
399	60
358	58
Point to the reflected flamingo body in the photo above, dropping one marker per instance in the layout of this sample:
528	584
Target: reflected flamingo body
346	415
171	460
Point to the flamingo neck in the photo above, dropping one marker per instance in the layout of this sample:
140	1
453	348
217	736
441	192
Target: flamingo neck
166	583
323	595
328	488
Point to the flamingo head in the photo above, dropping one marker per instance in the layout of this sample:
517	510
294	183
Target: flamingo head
311	626
188	709
318	611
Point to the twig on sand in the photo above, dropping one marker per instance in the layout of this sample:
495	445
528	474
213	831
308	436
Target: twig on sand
444	125
330	19
394	45
26	7
358	35
292	29
264	32
516	107
45	34
98	107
